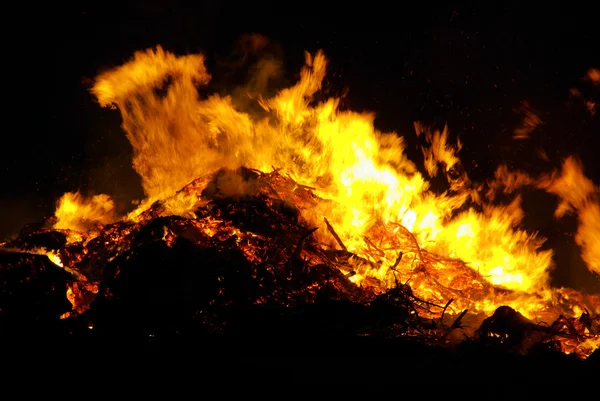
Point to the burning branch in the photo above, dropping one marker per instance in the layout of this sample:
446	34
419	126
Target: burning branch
300	244
393	268
444	310
413	239
337	238
397	262
371	245
456	324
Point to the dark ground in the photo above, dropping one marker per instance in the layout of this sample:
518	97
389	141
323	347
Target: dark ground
390	368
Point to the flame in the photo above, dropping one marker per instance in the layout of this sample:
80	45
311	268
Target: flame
588	236
592	76
572	186
75	212
529	122
578	194
370	192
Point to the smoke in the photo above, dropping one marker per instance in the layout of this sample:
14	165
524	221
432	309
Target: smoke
260	62
261	77
17	213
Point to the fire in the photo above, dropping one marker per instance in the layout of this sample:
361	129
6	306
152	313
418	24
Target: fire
578	194
75	212
588	235
372	200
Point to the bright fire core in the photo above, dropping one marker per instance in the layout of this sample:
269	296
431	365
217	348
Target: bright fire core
374	197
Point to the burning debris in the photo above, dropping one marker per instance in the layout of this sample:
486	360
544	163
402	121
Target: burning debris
247	263
342	238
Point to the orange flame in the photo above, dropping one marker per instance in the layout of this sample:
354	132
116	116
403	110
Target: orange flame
593	75
578	194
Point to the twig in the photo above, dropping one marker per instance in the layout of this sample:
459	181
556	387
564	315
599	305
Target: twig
273	191
457	292
393	268
444	310
337	238
257	171
424	302
414	240
398	259
456	323
304	186
299	247
372	245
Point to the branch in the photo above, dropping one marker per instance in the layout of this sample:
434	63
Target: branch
337	238
397	262
393	268
300	244
456	323
444	310
372	245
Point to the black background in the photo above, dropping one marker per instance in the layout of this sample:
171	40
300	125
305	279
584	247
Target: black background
468	65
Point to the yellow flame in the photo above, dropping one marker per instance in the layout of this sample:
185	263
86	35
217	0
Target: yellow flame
54	258
570	185
75	212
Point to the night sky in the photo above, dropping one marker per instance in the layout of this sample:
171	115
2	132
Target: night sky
471	67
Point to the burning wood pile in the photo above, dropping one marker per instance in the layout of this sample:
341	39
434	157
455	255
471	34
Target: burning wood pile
245	264
343	238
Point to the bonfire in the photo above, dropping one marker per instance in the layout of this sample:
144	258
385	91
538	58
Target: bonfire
266	221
